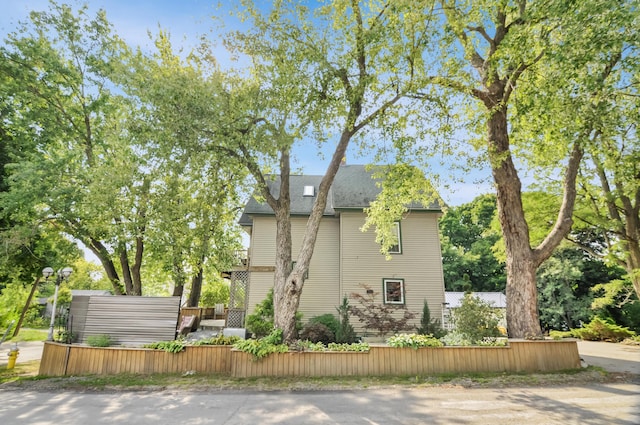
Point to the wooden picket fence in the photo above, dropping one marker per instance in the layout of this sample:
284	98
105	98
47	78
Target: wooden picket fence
519	356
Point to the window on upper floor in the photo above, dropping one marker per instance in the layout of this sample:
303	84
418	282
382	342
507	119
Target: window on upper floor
396	248
393	290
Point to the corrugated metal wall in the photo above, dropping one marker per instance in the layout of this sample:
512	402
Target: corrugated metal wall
130	321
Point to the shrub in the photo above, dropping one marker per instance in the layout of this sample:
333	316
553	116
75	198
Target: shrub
317	332
476	319
65	336
492	341
260	348
329	320
174	346
429	326
414	341
355	346
260	323
332	346
99	340
455	338
380	317
345	333
601	330
218	340
556	335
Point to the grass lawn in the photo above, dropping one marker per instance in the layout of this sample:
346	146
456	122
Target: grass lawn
25	375
27	334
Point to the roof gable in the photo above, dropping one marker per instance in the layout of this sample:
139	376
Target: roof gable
353	188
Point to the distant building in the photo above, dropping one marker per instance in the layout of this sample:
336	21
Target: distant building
453	300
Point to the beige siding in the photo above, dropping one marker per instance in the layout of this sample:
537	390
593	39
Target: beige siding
420	264
320	294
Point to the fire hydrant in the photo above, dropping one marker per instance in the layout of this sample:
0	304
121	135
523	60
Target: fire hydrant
13	356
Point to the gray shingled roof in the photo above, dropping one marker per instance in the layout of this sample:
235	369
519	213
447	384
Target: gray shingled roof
353	188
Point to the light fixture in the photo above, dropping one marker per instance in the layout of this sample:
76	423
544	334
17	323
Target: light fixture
62	274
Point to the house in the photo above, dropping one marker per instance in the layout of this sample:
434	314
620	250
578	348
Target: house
453	300
345	257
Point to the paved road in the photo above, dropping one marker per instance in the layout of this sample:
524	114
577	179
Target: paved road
596	404
611	357
592	405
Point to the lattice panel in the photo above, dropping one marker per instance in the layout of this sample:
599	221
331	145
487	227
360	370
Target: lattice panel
235	318
239	290
238	298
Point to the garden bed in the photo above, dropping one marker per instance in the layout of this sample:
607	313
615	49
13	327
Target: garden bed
518	356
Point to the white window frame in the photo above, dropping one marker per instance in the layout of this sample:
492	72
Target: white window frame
385	282
397	249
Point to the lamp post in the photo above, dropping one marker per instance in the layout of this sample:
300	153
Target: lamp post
46	272
62	274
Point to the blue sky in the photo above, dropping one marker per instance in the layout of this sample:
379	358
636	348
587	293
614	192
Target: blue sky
185	20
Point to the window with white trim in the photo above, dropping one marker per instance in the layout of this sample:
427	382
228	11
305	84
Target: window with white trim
397	248
393	290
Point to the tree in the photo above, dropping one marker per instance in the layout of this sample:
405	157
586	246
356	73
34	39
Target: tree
507	62
610	180
468	261
94	170
198	188
64	112
342	71
563	304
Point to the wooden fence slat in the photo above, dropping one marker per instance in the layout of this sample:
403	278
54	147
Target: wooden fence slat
59	359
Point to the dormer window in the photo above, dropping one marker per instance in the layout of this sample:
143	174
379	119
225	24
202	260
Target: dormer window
309	191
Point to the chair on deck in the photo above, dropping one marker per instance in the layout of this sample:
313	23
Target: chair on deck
219	312
186	324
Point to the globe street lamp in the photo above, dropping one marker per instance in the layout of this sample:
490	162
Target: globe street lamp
62	274
46	272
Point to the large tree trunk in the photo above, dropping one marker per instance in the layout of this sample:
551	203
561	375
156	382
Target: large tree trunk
522	296
107	264
178	274
286	293
289	281
196	288
126	269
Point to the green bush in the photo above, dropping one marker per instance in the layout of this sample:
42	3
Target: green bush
329	320
602	330
332	346
174	346
429	326
354	346
218	340
556	335
260	323
99	340
345	333
317	332
414	341
262	347
455	338
476	319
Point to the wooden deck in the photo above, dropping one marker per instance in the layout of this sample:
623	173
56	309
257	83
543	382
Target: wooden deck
519	356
